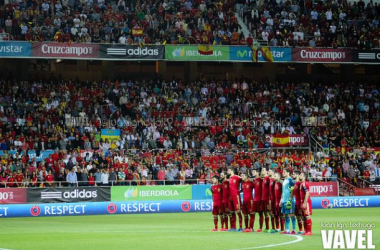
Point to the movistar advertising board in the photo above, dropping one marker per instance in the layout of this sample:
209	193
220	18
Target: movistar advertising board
244	53
202	192
151	193
190	53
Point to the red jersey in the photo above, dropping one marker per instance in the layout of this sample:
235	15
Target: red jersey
304	188
296	192
226	191
277	193
258	185
265	190
247	191
235	185
216	194
272	183
19	177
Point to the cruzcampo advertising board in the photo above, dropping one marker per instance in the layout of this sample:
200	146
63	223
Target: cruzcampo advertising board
191	53
151	193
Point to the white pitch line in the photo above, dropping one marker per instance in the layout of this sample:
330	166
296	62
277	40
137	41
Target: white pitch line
298	239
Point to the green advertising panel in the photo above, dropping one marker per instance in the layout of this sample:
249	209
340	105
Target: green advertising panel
190	53
151	193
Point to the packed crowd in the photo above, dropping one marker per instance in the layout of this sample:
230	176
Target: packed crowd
330	23
183	132
127	22
279	23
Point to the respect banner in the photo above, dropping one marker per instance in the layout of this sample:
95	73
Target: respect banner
151	193
191	53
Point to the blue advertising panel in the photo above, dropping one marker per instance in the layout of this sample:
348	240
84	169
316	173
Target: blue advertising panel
32	154
202	192
15	49
97	208
174	206
244	53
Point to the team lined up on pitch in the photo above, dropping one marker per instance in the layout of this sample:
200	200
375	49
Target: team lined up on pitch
275	199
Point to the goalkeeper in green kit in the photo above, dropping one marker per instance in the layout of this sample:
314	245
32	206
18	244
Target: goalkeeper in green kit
287	202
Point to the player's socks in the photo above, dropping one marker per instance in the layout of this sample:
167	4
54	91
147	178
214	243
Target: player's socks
246	221
282	224
261	220
266	223
277	219
308	226
300	225
226	221
216	222
272	222
293	223
233	222
287	224
252	221
222	221
240	220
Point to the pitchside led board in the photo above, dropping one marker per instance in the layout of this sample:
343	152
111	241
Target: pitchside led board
152	193
163	206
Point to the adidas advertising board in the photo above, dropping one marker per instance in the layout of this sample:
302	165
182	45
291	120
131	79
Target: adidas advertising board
146	52
49	195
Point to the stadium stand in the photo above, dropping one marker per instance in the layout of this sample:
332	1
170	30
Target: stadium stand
176	131
128	22
314	23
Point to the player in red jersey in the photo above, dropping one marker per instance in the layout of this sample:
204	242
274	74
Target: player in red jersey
216	190
277	201
234	184
305	204
225	201
265	197
272	183
256	208
247	187
296	194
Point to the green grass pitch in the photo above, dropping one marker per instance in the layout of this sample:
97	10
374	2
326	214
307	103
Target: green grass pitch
184	231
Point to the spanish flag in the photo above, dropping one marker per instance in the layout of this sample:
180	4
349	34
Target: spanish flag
280	140
137	31
267	54
255	53
205	49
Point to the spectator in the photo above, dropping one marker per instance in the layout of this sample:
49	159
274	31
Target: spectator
71	178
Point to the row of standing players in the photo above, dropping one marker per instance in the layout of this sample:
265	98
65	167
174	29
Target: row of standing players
275	199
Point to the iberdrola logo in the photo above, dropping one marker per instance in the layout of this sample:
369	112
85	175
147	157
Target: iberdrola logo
179	52
131	193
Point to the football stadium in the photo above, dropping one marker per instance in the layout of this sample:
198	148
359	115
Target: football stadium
189	124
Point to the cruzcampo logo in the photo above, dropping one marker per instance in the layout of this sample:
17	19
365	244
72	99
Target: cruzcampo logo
208	192
131	193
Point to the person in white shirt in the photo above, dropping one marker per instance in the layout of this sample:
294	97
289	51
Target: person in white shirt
123	39
105	177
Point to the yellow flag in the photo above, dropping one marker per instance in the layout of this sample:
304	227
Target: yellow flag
267	54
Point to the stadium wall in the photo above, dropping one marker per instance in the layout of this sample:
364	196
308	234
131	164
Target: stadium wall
173	206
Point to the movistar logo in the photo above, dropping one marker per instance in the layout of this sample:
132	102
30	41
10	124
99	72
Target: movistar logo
131	193
243	53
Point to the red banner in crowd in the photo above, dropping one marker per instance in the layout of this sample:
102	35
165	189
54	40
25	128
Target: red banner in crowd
287	140
12	195
323	189
64	50
322	55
